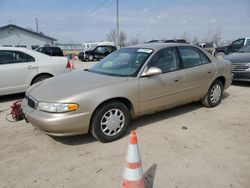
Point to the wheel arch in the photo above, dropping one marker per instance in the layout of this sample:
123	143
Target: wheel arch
40	74
222	79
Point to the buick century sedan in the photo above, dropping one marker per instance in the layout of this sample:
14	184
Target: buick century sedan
128	83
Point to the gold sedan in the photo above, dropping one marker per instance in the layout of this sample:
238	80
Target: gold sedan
128	83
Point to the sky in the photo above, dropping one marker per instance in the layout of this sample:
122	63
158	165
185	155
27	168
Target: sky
81	21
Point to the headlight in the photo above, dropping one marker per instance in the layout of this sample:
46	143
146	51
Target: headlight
57	107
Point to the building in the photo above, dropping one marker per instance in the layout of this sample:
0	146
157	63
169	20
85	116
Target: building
13	35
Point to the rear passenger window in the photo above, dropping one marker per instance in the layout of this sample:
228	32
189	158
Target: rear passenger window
192	57
7	57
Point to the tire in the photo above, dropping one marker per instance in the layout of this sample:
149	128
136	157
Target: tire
110	121
91	57
40	78
220	55
214	95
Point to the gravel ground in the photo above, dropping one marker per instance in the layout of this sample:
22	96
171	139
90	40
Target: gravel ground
185	147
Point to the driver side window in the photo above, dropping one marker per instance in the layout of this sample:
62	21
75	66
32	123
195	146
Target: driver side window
99	50
166	60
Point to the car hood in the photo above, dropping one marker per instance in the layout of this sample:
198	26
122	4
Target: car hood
59	88
238	57
221	47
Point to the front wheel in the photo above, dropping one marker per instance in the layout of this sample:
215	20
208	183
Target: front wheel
220	55
214	95
91	58
110	121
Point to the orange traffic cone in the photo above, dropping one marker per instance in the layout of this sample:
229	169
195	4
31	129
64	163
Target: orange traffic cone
70	65
132	173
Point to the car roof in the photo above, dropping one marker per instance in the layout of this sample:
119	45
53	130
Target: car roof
27	51
158	45
103	45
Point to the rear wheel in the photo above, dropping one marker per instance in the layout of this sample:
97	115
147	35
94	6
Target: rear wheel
40	78
110	121
214	95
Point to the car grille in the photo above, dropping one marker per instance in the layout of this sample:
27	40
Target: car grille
31	102
240	67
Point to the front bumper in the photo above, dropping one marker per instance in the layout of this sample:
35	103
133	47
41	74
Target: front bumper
241	76
61	124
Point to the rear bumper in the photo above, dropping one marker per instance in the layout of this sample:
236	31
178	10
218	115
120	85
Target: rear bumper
63	124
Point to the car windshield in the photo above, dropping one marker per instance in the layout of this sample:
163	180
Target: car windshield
123	62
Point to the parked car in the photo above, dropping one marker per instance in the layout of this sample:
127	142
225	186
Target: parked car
52	51
241	64
20	68
97	53
221	51
169	41
128	83
209	47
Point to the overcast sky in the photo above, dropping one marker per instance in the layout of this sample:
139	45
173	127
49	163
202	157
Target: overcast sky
90	20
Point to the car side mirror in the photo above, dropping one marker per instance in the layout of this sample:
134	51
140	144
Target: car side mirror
152	71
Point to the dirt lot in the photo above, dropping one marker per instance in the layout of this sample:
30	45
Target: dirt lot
186	147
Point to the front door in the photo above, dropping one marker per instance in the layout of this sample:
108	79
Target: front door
164	90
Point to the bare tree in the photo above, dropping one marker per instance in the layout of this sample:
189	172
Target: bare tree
195	40
111	36
217	36
134	41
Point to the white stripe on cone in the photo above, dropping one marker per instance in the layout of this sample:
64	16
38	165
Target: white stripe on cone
133	155
132	174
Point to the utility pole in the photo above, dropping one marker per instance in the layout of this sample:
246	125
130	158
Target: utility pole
117	25
36	25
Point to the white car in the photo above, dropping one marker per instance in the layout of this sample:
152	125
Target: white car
20	68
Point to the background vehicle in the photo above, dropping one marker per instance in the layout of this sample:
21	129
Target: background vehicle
241	64
52	51
209	47
20	68
221	51
128	83
170	41
97	53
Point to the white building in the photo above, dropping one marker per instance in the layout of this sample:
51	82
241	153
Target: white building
13	35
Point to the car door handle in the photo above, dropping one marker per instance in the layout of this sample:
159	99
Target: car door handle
31	67
178	79
210	71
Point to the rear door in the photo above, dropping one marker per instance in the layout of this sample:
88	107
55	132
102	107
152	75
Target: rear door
16	71
199	72
164	90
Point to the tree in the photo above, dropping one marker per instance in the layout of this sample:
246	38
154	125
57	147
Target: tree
195	40
134	41
216	36
111	36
